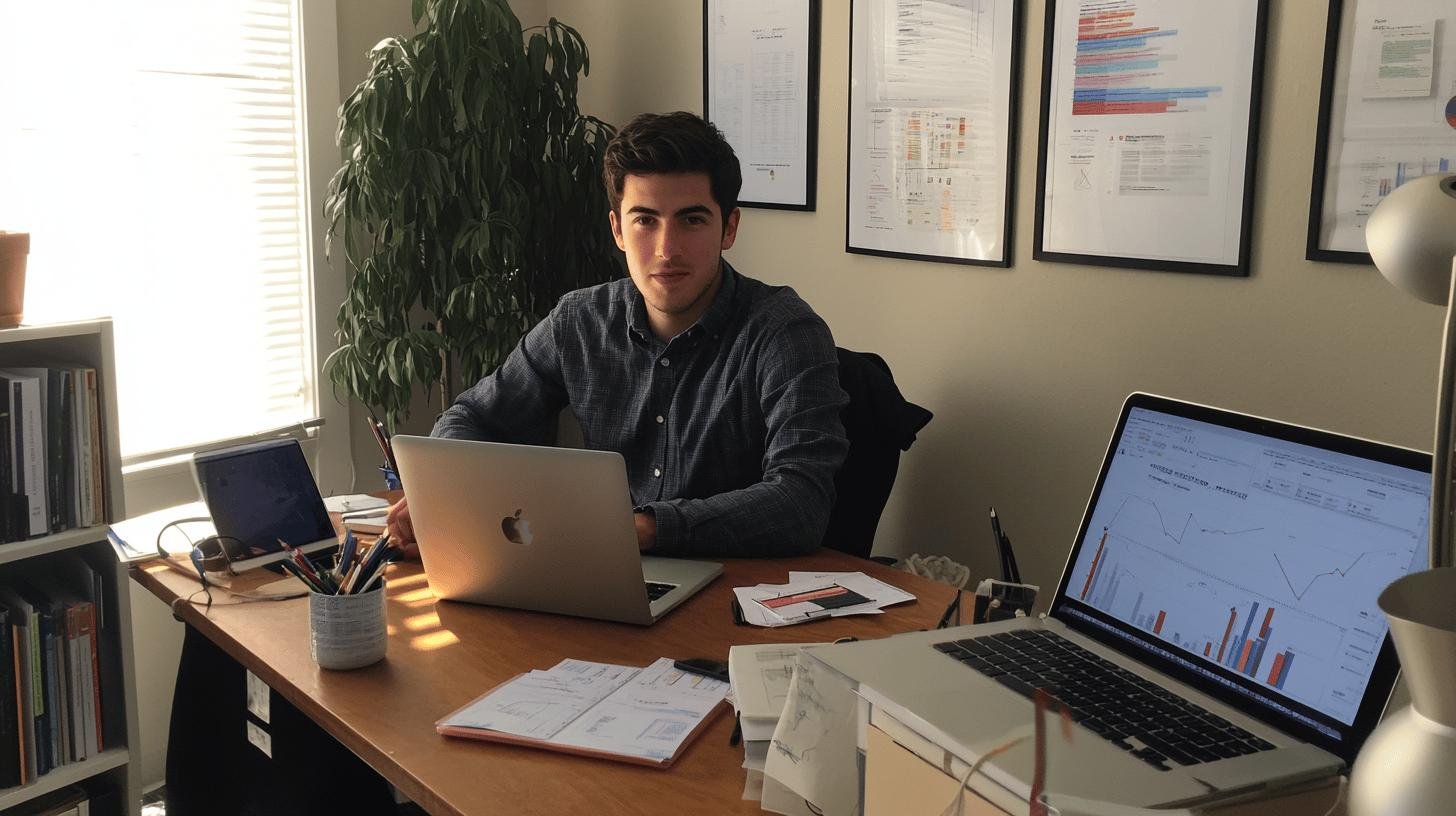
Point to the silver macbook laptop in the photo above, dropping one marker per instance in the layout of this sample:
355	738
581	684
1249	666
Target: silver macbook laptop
529	527
1215	632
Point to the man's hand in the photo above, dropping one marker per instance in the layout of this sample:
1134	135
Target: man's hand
401	531
646	530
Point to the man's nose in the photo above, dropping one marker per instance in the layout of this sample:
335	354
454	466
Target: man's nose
669	242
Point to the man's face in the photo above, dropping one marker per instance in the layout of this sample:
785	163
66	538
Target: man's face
673	234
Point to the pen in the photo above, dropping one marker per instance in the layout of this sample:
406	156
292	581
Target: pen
380	438
954	608
346	554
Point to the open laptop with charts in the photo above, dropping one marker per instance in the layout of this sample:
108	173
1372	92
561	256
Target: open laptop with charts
259	493
529	527
1215	632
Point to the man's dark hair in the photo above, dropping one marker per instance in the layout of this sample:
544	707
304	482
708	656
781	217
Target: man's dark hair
679	142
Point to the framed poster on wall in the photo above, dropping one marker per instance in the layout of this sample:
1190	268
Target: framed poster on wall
761	88
1387	114
932	129
1149	120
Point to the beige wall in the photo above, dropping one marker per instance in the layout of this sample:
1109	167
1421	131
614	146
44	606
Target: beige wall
1026	368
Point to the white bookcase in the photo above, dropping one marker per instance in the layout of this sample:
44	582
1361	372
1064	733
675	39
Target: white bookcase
87	343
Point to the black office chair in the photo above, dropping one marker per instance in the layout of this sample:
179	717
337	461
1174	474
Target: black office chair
880	423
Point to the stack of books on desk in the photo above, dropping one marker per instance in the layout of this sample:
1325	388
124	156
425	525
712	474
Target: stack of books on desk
759	676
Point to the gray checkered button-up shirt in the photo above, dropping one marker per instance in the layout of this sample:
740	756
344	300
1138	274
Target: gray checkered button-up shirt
731	431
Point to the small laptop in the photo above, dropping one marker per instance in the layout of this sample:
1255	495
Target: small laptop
547	529
260	493
1215	632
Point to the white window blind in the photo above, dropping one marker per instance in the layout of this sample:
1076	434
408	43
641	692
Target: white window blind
153	149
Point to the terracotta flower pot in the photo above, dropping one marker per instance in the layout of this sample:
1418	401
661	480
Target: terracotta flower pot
14	247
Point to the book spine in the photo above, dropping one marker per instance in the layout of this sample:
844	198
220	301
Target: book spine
55	455
9	524
69	505
94	737
23	701
37	695
65	744
75	417
98	445
32	422
91	452
78	665
10	751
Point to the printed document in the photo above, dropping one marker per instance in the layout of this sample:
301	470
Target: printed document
596	708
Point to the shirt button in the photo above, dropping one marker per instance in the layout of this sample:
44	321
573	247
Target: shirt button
659	419
664	362
657	472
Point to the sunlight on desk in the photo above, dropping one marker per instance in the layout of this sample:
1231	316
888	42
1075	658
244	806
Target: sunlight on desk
416	597
424	620
405	580
433	641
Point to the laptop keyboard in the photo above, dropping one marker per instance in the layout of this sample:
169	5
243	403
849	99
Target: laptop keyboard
656	590
1143	718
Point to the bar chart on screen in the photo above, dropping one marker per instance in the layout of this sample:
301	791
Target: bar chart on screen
1263	561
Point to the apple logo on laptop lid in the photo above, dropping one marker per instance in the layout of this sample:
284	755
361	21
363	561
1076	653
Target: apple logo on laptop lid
517	529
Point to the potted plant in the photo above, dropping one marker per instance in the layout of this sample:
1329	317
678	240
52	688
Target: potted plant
469	200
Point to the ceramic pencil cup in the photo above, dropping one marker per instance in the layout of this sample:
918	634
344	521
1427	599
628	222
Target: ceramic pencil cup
348	631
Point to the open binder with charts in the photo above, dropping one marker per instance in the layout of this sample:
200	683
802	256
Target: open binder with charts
644	716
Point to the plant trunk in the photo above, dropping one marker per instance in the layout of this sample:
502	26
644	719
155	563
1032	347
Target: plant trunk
447	368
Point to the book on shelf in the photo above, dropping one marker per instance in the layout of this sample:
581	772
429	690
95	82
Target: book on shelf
644	716
10	737
54	707
23	628
52	473
27	449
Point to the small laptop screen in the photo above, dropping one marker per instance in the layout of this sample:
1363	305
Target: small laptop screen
1251	556
261	493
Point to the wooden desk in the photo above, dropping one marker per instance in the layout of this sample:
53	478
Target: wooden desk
444	654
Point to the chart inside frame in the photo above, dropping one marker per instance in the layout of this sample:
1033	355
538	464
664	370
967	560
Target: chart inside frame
1149	134
1398	124
932	131
761	88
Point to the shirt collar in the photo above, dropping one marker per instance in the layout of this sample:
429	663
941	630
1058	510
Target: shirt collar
712	322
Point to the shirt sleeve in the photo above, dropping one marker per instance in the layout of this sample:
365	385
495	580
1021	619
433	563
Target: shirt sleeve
787	512
520	400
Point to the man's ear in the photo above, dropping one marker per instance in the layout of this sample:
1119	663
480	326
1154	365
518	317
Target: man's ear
617	229
730	228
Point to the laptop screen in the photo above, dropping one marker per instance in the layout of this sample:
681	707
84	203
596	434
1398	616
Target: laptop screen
260	493
1249	555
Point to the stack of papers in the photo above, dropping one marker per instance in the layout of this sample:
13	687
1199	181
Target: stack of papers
636	715
811	595
760	678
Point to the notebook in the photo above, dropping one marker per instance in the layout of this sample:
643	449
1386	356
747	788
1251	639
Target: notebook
1215	631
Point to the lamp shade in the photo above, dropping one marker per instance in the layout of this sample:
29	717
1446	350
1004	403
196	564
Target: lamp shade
1411	236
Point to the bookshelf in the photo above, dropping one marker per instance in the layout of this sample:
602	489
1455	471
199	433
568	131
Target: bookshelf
112	776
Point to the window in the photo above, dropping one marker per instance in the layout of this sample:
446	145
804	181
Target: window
155	150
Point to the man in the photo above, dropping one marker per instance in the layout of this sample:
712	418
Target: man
721	392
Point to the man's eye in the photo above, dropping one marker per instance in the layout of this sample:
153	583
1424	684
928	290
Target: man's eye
643	220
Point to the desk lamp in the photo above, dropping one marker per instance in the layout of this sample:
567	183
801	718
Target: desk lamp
1405	768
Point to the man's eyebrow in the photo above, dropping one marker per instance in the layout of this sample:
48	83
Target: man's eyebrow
695	209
